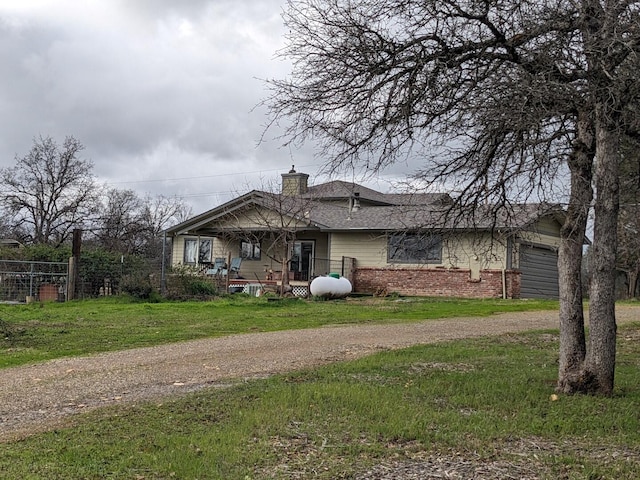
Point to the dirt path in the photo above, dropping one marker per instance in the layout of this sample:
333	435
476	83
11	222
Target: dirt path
39	397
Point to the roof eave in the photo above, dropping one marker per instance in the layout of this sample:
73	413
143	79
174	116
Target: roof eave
215	213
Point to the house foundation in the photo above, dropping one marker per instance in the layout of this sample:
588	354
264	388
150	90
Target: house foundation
437	282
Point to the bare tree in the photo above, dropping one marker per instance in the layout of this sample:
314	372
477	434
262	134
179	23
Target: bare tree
503	100
628	259
8	229
275	221
134	225
161	212
119	227
49	191
629	247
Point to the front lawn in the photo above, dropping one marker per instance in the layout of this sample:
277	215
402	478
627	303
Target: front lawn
483	407
37	332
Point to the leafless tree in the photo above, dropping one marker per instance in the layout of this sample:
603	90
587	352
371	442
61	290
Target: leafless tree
273	220
160	212
629	247
50	191
119	227
130	224
628	259
502	99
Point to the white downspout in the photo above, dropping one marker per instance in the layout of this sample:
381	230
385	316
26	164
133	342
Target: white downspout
507	264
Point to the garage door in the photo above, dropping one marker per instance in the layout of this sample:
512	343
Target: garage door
539	268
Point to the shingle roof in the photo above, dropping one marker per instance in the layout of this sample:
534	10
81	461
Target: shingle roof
328	207
339	189
403	217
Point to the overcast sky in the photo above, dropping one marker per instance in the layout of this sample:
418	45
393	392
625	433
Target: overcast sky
160	92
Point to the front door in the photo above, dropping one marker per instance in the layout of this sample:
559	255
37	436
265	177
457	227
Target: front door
302	260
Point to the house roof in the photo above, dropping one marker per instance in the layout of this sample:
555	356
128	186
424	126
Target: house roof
406	217
329	207
10	242
339	189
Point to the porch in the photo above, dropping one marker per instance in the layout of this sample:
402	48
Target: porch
299	278
309	268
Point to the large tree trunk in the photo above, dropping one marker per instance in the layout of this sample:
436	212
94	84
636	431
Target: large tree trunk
572	334
601	354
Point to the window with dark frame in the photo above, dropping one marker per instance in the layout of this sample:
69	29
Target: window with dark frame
194	251
414	248
250	250
204	252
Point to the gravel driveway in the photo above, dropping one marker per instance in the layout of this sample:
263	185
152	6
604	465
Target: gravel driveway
40	397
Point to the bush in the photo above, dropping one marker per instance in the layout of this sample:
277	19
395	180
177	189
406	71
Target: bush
184	284
138	286
199	286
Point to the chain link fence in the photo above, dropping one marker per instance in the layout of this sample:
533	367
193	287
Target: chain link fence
26	281
98	275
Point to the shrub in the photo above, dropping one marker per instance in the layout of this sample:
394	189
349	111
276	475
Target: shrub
137	285
199	286
183	284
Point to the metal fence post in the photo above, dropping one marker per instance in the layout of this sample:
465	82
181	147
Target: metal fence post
71	279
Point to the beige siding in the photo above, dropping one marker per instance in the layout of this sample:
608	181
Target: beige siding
257	218
250	268
220	248
547	226
271	249
226	248
473	251
540	239
321	243
370	250
177	251
545	232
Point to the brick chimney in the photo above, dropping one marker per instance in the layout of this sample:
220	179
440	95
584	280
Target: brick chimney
294	183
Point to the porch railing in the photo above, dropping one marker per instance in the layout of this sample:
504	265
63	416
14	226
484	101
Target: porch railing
325	266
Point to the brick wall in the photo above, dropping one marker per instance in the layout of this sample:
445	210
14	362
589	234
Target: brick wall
437	282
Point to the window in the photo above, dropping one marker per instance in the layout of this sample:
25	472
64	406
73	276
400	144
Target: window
414	248
250	250
197	250
204	253
190	251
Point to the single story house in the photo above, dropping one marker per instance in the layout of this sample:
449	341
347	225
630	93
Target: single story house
383	242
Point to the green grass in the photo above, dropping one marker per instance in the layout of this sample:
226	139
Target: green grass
485	400
37	332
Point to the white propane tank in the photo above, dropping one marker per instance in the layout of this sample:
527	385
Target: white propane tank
333	286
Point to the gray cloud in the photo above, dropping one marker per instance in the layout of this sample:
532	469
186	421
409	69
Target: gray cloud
154	89
161	93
